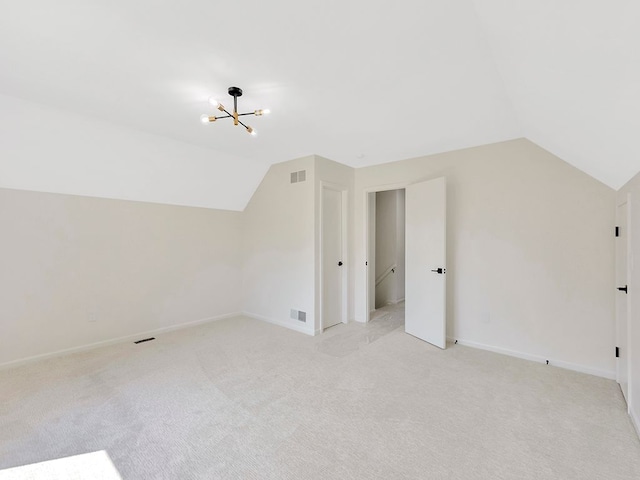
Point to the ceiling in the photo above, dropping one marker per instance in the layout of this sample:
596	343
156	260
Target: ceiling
359	81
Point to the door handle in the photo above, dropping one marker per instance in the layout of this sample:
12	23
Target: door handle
339	264
440	270
623	289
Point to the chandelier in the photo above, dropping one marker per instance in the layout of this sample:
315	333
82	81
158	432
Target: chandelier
235	92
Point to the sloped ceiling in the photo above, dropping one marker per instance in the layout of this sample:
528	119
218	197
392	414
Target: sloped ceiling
571	70
360	81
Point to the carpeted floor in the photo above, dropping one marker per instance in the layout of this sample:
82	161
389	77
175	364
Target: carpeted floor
242	399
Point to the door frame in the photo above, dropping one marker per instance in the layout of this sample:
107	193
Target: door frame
367	191
344	291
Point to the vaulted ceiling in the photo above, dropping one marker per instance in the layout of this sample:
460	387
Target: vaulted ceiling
357	81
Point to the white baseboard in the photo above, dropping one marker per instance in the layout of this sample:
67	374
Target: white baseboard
280	323
611	375
113	341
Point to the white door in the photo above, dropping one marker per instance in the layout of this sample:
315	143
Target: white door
425	241
622	365
332	261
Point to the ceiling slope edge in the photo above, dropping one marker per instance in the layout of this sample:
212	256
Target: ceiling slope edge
48	149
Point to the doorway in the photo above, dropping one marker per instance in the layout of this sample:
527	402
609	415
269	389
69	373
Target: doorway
386	249
423	263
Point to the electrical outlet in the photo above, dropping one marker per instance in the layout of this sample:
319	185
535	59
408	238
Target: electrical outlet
294	314
92	316
302	316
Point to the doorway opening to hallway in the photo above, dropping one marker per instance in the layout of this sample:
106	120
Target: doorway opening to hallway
386	254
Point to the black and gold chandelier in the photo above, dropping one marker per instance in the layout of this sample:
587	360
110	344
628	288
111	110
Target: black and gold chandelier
235	92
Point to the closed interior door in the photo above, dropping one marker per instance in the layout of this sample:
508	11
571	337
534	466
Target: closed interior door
622	367
332	261
425	254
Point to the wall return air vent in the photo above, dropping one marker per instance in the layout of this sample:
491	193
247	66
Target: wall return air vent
297	177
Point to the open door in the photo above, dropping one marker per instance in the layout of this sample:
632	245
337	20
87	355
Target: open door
425	242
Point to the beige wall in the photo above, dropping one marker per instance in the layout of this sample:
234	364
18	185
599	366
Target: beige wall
79	270
278	247
530	264
530	255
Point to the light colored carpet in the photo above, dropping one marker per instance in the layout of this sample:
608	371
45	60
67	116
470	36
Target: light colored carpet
242	399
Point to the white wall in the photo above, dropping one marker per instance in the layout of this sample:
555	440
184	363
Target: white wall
278	247
50	150
632	189
530	256
79	270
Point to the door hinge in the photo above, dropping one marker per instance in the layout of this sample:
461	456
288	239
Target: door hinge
617	352
617	231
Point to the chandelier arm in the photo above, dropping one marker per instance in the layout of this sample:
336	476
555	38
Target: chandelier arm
242	124
225	116
250	113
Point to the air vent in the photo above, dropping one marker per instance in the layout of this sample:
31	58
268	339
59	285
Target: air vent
298	315
300	176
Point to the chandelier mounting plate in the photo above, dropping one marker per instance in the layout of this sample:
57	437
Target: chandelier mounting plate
235	91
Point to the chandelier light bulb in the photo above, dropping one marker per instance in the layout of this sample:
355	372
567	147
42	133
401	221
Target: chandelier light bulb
214	102
259	113
251	131
204	118
266	111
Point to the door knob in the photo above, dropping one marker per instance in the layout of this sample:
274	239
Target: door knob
623	289
439	270
339	264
